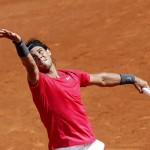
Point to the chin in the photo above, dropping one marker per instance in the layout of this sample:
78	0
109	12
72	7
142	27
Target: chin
44	69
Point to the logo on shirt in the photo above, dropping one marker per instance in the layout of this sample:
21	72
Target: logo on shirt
68	78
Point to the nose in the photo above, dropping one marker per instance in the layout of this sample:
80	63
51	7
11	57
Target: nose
39	56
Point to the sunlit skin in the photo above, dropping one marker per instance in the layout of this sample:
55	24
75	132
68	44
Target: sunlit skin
40	59
44	61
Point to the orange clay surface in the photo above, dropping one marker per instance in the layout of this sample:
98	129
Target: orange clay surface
89	35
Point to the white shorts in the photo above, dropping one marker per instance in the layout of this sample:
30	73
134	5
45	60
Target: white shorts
97	145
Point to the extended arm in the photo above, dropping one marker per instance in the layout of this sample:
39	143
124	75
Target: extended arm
26	58
105	79
113	79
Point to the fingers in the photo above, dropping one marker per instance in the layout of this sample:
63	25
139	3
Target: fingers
140	84
5	33
2	33
4	30
147	86
138	88
10	35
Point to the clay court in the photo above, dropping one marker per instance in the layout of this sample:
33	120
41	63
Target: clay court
88	35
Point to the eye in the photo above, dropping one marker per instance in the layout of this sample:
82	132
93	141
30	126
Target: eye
40	51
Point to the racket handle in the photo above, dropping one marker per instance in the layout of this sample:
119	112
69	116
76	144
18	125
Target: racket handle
146	90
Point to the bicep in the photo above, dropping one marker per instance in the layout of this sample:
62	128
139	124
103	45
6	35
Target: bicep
32	69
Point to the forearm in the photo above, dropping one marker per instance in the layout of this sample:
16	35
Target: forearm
113	79
105	79
25	55
110	79
28	62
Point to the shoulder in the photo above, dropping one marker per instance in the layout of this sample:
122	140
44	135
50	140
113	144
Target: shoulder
75	71
41	80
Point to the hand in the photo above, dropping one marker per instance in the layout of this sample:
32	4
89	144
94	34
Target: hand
140	83
10	35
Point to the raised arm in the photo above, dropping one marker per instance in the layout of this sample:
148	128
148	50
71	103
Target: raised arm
113	79
25	56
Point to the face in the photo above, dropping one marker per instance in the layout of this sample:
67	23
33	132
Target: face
42	58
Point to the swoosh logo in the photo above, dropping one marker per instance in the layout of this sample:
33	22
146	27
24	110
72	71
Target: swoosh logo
68	78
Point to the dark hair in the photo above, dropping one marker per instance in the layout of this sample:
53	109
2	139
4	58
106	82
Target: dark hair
32	42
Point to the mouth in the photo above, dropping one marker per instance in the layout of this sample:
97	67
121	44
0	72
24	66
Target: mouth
42	61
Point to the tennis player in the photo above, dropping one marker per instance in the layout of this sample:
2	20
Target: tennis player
56	94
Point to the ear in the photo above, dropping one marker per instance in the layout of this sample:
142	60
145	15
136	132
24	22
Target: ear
48	51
